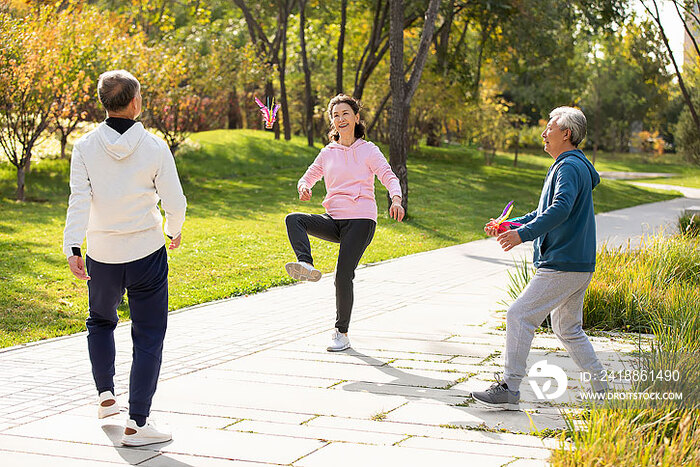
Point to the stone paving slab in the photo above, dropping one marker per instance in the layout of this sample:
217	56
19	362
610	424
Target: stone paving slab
186	440
475	417
352	455
312	401
68	449
24	459
318	433
378	373
226	444
469	447
247	381
180	460
503	439
168	418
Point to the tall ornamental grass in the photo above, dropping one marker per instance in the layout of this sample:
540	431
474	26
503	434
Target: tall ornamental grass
655	289
633	436
633	289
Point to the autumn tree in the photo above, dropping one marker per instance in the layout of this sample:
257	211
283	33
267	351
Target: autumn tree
174	101
88	41
27	86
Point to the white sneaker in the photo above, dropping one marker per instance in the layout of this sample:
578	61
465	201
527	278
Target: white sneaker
135	435
107	405
339	341
303	271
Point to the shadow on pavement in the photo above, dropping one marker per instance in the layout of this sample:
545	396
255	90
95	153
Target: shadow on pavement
129	454
411	385
502	262
475	416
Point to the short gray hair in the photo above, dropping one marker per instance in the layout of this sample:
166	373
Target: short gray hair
116	89
569	118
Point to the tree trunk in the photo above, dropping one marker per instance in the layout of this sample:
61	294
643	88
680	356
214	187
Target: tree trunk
308	100
235	118
283	86
398	150
517	143
595	151
482	44
402	91
64	143
283	106
443	40
379	111
341	45
20	183
270	91
375	49
398	123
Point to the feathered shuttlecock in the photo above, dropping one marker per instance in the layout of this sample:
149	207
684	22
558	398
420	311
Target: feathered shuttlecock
269	111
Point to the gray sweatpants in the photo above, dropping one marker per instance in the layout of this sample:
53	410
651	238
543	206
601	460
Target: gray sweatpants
561	294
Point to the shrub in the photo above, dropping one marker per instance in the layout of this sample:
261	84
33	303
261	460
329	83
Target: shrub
688	137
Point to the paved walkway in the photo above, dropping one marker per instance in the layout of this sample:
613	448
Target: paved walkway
247	381
633	175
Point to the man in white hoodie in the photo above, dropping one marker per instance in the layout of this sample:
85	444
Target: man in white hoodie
119	173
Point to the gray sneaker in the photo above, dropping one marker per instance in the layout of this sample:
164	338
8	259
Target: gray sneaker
498	395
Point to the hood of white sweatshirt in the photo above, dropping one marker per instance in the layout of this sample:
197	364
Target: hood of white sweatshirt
120	146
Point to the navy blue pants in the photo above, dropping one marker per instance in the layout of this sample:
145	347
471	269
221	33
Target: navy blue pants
146	283
354	236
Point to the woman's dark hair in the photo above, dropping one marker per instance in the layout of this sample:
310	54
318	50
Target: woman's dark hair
333	134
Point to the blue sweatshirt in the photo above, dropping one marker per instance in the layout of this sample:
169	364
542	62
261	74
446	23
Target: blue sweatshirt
563	226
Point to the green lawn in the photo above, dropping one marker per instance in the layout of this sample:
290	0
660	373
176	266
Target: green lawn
240	185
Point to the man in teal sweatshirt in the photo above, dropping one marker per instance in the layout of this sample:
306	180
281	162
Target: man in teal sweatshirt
562	229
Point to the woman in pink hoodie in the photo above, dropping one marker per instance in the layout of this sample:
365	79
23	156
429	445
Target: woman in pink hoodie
347	165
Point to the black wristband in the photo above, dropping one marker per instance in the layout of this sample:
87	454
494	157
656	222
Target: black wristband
76	251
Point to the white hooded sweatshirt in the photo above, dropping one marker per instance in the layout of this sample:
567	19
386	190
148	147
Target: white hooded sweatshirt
116	181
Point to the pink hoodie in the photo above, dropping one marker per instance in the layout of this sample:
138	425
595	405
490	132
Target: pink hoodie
348	173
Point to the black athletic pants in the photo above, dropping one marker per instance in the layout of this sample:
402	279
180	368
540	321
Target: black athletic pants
354	236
